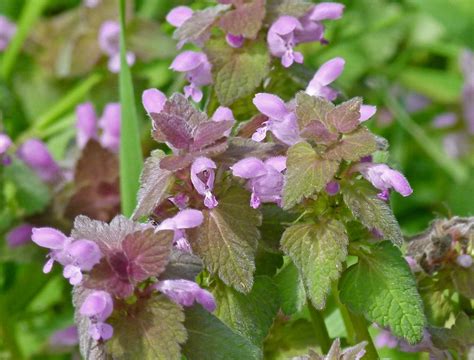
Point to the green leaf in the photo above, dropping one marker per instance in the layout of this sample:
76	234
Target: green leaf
150	329
227	239
291	287
307	173
237	72
382	288
463	281
318	251
373	212
250	315
353	146
154	185
246	19
296	8
460	337
273	226
436	300
310	108
31	193
131	159
209	338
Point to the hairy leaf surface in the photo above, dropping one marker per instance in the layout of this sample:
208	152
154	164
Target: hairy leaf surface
382	288
353	146
307	173
245	20
318	251
227	239
291	287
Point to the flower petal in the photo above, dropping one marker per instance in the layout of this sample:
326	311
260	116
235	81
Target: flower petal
270	105
179	15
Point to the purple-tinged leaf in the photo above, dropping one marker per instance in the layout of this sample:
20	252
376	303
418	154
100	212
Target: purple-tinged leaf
353	146
182	265
149	329
148	253
177	121
197	28
318	132
318	251
154	185
247	129
311	108
209	132
227	239
245	20
307	173
345	117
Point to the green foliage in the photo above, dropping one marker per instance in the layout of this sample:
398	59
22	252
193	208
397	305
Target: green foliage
307	173
131	160
237	72
374	213
460	337
250	315
151	329
382	288
31	194
209	338
318	251
227	239
291	288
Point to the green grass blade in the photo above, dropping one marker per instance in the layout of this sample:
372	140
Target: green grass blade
131	160
31	12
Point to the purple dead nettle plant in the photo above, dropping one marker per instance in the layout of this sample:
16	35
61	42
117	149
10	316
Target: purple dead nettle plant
109	42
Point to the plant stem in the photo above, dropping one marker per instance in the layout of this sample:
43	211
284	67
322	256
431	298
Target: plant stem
351	335
452	167
29	15
319	326
362	334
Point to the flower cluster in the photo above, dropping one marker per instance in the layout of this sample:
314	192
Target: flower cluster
109	42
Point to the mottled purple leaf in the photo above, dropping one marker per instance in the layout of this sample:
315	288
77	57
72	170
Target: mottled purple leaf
353	146
176	162
310	108
209	132
345	117
318	132
245	20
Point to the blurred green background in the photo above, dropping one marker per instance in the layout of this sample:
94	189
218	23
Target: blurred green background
403	56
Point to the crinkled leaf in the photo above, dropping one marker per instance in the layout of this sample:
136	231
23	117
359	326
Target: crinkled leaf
31	193
318	251
245	20
291	287
382	288
296	8
148	252
107	236
197	28
353	146
345	117
311	108
154	185
182	265
177	121
237	72
90	349
209	132
96	183
209	338
463	280
227	239
307	173
150	329
460	337
250	315
176	162
373	212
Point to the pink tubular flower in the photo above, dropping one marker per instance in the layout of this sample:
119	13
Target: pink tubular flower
75	255
19	235
37	156
281	40
7	30
110	125
185	219
65	337
5	143
384	179
197	69
287	31
98	306
153	101
86	124
265	178
281	119
185	293
179	15
202	177
326	74
109	43
223	113
366	112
